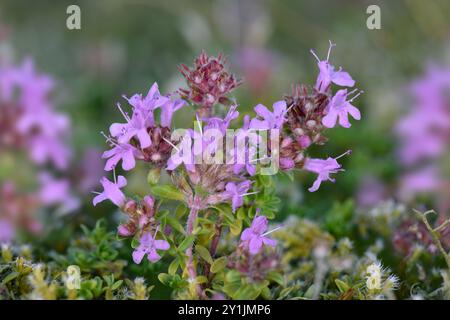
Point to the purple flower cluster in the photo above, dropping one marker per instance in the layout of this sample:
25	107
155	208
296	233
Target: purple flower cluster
29	122
300	120
37	128
424	133
141	136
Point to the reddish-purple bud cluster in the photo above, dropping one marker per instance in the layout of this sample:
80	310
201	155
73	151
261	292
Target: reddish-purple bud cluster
140	215
209	82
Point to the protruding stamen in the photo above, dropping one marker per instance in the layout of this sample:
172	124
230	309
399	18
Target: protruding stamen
156	231
352	92
287	110
249	193
124	114
344	154
356	96
259	159
273	230
329	49
109	139
315	55
170	142
199	124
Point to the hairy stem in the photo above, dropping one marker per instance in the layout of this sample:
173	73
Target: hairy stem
194	208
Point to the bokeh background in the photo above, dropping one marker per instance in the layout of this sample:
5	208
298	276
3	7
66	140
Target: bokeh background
124	46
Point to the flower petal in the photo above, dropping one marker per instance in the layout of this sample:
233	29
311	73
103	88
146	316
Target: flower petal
138	255
161	245
255	245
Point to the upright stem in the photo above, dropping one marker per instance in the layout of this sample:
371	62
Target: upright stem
434	235
194	208
215	240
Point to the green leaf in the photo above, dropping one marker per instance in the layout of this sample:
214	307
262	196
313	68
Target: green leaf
180	211
236	228
233	276
167	192
186	243
10	277
309	293
246	292
173	267
265	293
285	292
134	243
232	282
161	214
201	279
204	253
153	176
226	212
241	213
175	224
276	277
164	278
219	264
342	286
116	285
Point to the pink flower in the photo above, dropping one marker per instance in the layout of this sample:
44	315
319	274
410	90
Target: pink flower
286	163
47	148
124	152
423	133
151	102
271	120
184	153
37	124
143	117
136	126
57	192
424	180
90	170
6	231
148	246
112	191
327	74
223	124
250	145
323	168
420	147
236	193
254	238
8	79
167	111
339	107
